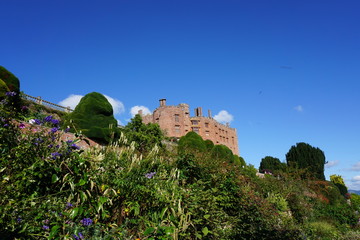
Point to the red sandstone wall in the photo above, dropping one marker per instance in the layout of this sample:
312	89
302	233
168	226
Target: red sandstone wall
176	122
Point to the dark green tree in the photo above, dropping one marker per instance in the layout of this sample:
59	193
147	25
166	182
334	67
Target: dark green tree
192	142
145	136
239	161
272	164
10	83
305	156
93	116
222	152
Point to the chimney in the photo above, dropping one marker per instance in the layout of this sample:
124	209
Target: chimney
198	112
209	113
162	102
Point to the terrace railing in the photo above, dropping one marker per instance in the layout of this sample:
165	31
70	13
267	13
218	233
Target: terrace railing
40	101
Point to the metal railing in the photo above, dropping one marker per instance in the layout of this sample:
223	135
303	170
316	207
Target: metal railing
40	101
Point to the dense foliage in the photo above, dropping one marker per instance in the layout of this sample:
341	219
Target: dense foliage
305	156
93	116
10	80
10	84
144	136
130	189
271	164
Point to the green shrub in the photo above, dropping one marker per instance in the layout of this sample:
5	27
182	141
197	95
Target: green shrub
193	143
222	152
3	89
94	117
11	81
322	230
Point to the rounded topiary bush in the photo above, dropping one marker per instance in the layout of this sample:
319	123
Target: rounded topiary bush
222	152
3	88
192	142
10	80
93	116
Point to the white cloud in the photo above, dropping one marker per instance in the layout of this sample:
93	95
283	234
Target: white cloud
331	164
73	100
354	183
356	179
223	117
118	106
135	110
299	108
356	167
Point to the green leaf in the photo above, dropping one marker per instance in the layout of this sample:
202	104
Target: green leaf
206	216
205	231
54	178
74	213
149	231
103	199
54	231
81	182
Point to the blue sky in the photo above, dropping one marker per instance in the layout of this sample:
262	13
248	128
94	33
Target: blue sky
284	71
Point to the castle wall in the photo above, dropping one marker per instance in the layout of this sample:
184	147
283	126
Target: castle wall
176	121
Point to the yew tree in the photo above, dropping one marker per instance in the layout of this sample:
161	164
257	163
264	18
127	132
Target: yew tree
304	156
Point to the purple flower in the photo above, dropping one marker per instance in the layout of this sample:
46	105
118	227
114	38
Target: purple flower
69	205
55	154
19	219
81	236
46	221
55	121
86	221
48	118
67	130
45	227
54	130
10	94
6	125
150	175
22	125
74	146
37	121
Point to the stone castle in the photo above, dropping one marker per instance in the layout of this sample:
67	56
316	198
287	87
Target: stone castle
177	122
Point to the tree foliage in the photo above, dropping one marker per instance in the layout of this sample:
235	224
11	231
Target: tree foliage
11	81
339	183
192	142
94	117
272	164
304	156
145	136
222	152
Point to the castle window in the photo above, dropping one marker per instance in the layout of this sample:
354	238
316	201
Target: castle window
177	128
195	129
207	133
177	118
206	125
194	122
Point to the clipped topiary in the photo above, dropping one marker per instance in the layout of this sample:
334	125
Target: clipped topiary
3	88
93	116
192	142
11	81
222	152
